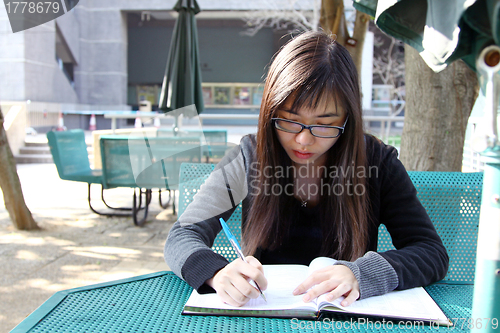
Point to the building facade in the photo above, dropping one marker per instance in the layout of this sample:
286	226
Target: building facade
93	53
109	55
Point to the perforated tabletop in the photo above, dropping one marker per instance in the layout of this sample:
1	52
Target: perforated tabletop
154	302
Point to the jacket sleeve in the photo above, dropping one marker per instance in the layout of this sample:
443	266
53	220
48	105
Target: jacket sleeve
187	249
420	257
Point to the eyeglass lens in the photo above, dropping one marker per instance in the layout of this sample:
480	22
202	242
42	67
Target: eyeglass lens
317	130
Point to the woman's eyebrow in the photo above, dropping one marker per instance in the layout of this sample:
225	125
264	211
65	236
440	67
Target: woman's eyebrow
327	115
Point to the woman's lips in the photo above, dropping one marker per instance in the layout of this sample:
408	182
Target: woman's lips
302	155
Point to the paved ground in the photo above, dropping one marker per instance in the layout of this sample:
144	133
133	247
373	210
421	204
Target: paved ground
75	247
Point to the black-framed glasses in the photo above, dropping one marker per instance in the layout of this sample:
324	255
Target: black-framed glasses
320	131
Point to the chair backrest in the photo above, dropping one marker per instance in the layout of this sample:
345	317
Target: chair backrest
115	159
138	161
192	176
453	202
69	152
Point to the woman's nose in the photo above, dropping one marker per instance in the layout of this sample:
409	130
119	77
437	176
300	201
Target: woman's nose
305	138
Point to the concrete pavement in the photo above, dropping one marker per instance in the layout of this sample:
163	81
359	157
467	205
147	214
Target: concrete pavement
75	246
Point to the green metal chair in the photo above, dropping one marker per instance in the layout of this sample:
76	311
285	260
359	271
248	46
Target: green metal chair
69	152
192	176
452	200
144	163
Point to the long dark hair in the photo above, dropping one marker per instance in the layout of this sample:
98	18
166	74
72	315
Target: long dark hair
311	66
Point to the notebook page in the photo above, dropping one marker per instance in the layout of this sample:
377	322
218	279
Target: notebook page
282	280
412	303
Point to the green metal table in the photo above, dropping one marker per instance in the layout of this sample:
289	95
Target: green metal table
154	302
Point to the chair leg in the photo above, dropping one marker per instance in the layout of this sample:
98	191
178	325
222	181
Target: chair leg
139	207
115	208
173	203
99	213
166	204
148	198
136	209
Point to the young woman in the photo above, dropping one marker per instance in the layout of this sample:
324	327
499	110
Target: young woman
311	184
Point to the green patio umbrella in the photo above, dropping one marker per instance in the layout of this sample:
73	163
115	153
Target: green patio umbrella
181	94
182	82
441	30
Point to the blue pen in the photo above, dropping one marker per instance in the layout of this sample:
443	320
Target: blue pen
237	249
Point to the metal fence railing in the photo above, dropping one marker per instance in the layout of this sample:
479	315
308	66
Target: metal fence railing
39	114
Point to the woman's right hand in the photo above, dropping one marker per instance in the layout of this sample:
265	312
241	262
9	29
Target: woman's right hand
232	283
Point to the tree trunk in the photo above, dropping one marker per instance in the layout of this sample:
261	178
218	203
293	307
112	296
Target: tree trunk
355	47
438	106
333	20
11	186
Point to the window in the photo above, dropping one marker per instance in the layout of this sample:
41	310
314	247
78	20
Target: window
64	57
232	95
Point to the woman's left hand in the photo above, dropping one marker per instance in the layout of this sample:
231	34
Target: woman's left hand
336	280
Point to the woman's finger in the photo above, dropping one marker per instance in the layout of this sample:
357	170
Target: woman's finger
320	289
353	296
232	283
253	271
309	282
232	296
341	289
255	263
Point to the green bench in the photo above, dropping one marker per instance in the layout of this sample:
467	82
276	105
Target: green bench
69	153
452	200
137	162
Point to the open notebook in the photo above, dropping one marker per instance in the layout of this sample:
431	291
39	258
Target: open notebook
412	304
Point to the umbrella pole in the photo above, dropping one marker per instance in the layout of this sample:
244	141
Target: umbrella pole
486	301
175	128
